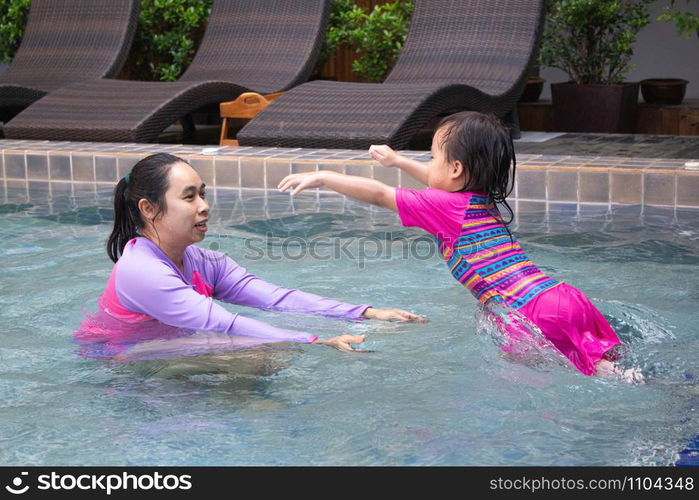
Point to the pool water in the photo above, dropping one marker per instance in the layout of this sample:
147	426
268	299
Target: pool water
430	394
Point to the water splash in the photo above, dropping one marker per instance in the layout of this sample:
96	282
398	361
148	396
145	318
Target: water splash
517	337
635	323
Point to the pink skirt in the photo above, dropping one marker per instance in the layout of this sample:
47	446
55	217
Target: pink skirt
573	325
104	337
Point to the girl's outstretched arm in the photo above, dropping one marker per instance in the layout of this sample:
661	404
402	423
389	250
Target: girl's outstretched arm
387	157
359	188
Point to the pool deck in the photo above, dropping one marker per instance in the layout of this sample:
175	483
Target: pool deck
554	170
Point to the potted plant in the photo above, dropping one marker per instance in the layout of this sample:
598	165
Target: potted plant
670	91
592	41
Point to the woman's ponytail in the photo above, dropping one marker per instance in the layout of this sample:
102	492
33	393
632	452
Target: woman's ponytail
125	226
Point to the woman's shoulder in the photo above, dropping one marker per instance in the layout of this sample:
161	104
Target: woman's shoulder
139	248
210	262
200	254
142	255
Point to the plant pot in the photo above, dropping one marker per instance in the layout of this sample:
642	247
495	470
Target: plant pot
663	90
595	108
533	89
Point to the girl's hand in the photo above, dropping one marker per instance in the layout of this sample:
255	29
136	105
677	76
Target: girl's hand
393	315
306	180
386	156
342	343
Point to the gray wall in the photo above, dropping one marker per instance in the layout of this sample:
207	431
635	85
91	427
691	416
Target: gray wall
659	53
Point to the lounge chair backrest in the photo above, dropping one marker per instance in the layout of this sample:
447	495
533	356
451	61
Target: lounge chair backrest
70	40
488	44
266	45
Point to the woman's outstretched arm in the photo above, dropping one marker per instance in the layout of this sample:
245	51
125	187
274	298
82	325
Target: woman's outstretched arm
153	286
236	285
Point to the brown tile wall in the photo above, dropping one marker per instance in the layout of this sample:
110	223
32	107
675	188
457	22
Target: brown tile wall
542	182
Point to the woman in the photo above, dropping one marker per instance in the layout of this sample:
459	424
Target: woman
160	291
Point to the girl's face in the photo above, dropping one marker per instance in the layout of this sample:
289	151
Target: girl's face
442	173
187	211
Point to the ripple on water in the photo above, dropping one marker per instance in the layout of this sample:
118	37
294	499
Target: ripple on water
438	393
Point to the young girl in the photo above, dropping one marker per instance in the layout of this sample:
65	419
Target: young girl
160	290
472	168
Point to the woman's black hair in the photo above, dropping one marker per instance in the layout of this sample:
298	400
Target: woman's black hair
484	147
148	179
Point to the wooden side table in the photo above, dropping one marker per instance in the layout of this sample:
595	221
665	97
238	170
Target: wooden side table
246	106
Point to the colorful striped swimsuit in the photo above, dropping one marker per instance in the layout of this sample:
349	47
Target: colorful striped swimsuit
480	252
488	261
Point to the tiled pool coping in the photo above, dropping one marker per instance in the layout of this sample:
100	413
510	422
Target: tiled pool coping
541	180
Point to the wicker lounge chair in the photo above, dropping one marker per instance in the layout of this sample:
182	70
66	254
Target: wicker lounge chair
67	41
467	55
263	46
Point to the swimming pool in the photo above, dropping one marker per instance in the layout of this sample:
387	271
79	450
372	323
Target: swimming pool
435	394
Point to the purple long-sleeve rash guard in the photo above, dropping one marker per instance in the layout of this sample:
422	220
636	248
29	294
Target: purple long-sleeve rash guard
146	284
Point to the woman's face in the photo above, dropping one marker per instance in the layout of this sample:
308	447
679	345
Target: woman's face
184	220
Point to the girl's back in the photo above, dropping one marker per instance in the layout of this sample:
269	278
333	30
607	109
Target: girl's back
480	251
488	260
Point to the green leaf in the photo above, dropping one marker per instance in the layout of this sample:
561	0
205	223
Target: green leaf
166	38
376	37
13	17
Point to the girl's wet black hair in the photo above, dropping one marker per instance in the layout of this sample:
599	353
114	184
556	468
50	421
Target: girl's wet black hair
484	147
148	179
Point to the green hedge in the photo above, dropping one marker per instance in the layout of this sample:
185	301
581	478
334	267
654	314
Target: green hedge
13	17
168	34
376	36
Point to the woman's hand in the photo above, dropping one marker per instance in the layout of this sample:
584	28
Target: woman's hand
386	156
393	315
342	343
306	180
